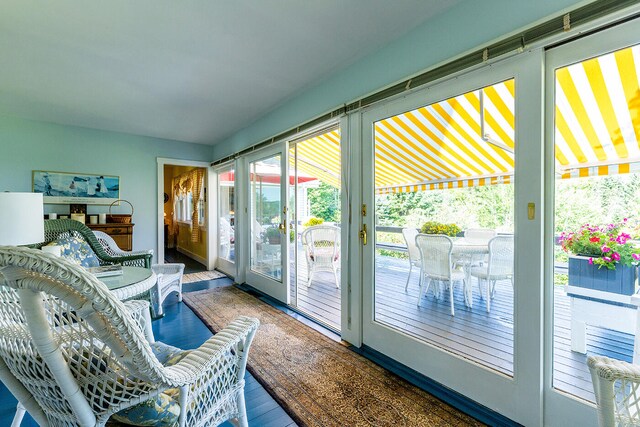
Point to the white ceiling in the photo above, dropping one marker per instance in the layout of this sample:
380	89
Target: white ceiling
195	71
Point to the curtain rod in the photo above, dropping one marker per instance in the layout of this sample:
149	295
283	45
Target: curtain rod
553	26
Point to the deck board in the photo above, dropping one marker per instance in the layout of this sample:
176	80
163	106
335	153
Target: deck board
485	338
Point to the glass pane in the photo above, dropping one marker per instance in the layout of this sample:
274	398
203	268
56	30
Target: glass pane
444	224
266	207
226	213
597	131
315	183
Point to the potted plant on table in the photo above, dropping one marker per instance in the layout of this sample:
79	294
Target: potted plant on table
273	235
433	227
602	257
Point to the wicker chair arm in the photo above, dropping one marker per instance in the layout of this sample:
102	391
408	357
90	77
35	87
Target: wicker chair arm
612	369
139	310
167	268
201	362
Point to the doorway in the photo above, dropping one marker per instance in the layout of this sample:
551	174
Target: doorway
184	213
315	226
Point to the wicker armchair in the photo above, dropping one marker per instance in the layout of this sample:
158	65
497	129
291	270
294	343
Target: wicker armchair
322	250
169	280
617	388
54	228
111	247
72	354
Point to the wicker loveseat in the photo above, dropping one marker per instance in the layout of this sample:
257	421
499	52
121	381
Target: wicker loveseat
55	228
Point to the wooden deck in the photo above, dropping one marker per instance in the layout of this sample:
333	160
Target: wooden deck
484	338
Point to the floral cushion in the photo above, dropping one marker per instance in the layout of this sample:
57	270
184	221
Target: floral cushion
77	250
164	409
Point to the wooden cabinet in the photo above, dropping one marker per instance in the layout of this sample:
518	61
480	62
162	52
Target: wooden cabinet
121	233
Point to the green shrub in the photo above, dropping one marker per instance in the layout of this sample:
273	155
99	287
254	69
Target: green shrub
433	227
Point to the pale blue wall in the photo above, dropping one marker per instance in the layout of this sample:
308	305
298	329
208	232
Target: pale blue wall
469	25
27	145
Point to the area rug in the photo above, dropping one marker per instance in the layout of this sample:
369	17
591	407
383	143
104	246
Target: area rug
202	275
318	381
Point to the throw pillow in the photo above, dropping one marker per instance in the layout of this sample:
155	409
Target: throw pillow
77	250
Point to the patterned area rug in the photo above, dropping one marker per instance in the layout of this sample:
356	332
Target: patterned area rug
200	276
318	381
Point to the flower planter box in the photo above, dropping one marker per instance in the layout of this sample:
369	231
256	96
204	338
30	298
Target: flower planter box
622	280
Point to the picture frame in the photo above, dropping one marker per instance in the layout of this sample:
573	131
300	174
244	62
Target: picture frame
76	188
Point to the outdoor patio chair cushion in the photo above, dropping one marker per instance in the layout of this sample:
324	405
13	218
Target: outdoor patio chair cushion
76	250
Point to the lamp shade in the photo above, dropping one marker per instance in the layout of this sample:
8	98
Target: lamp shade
21	218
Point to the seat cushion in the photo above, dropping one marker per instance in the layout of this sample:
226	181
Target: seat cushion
164	409
76	250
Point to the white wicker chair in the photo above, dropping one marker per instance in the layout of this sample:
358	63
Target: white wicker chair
499	266
409	235
322	250
617	388
169	280
480	234
111	247
73	354
435	253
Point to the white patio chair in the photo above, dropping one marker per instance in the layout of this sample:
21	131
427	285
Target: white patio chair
169	280
499	266
322	250
111	247
480	234
409	235
225	233
616	385
435	254
73	354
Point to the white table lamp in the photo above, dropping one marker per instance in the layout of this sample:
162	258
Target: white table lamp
21	218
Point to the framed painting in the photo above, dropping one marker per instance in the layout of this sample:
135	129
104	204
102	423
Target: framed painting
68	187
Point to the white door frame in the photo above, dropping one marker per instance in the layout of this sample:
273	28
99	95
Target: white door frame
560	408
518	398
270	286
211	219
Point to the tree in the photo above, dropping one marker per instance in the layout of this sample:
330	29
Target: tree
325	202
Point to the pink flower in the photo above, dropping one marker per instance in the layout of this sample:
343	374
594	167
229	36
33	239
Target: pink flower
591	260
615	256
636	257
607	259
605	249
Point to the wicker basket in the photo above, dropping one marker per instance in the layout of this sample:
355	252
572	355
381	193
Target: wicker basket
120	218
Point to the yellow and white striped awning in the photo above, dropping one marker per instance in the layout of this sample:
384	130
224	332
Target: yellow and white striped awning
597	115
319	156
469	140
463	141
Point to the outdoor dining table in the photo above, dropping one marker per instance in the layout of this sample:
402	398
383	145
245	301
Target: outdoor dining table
467	252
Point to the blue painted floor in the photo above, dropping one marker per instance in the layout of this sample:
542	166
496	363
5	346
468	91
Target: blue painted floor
182	328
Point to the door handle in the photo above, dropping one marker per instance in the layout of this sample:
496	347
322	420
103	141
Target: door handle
283	226
363	234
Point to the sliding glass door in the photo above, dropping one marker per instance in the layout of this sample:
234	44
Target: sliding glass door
441	231
315	225
593	126
267	222
227	220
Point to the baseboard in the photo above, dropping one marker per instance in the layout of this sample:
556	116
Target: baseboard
453	398
191	255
